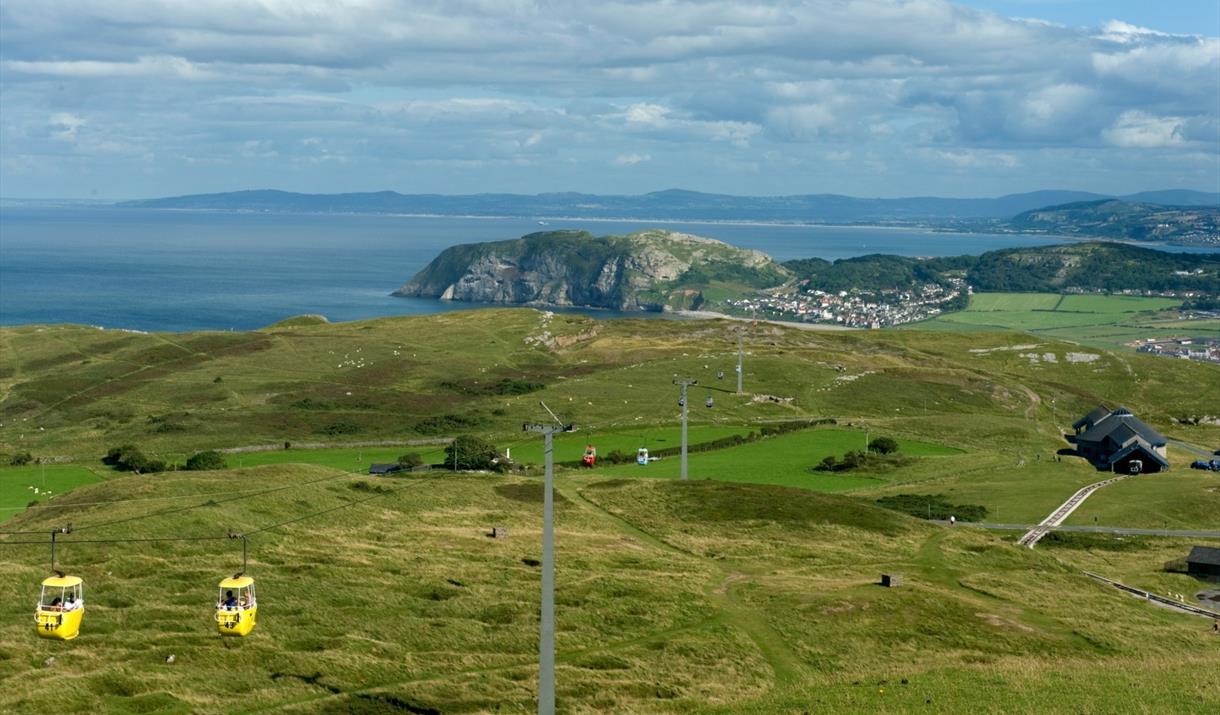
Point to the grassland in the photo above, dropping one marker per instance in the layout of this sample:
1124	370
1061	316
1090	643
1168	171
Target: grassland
702	597
72	392
1107	321
732	593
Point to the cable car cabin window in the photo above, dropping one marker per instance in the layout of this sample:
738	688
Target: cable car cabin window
234	598
60	598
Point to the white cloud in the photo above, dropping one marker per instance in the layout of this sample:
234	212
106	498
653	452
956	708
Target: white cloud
1140	129
631	159
64	125
973	159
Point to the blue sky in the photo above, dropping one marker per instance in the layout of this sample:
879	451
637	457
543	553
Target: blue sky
119	99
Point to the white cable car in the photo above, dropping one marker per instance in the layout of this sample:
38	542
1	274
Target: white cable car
641	456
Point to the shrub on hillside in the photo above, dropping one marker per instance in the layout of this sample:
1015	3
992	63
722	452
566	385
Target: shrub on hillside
883	445
439	424
20	459
206	460
471	452
129	458
932	506
411	460
338	428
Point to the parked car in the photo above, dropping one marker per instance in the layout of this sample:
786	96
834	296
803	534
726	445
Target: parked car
1200	464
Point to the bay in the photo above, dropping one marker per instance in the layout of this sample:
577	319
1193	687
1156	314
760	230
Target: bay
157	270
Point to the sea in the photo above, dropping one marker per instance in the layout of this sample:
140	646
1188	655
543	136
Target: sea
168	270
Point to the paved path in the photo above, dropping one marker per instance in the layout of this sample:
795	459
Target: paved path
1191	448
1119	530
1064	511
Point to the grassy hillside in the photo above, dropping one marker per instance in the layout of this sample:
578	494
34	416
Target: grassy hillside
698	597
1111	218
73	392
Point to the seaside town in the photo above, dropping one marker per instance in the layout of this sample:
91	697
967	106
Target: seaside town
1185	348
858	308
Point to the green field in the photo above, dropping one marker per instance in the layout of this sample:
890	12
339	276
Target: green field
986	302
786	460
17	485
1109	321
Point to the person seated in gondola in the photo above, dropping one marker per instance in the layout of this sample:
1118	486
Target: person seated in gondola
230	601
247	600
70	603
56	605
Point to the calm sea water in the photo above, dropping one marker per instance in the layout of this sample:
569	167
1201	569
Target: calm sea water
176	271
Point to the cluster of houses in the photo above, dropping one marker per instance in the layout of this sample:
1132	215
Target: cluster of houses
1202	349
1147	293
857	308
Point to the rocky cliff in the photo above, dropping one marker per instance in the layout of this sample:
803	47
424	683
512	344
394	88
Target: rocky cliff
650	270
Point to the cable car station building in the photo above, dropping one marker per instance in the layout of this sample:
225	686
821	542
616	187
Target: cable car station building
1118	441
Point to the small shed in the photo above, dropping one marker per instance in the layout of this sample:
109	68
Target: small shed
891	580
1203	561
385	468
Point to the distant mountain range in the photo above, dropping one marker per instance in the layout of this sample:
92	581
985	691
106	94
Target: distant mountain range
668	205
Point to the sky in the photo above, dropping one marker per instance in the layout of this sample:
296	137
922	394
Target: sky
115	99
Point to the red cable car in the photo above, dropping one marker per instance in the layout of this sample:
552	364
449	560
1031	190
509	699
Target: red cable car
590	458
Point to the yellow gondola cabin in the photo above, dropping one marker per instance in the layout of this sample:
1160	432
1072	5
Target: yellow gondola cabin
236	607
61	606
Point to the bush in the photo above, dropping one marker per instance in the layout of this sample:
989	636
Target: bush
20	459
883	445
129	458
854	459
828	464
439	424
338	428
210	459
471	453
618	456
411	460
932	506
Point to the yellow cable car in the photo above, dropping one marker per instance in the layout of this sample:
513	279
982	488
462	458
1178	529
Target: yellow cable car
61	607
236	607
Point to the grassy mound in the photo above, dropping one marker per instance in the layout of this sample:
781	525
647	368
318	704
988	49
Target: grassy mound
298	321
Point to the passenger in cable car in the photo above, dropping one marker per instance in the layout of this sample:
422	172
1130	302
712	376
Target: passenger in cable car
57	605
230	601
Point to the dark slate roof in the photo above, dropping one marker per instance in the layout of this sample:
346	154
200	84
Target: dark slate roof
384	468
1204	555
1123	425
1092	418
1139	444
